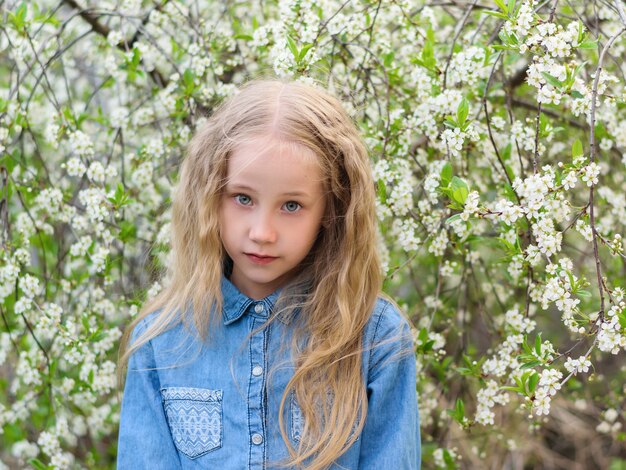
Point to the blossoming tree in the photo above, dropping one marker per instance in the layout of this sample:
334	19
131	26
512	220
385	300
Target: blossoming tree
497	133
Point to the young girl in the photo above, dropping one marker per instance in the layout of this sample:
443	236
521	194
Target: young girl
270	346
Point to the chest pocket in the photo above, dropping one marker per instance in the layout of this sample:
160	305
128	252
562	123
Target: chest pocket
194	416
297	418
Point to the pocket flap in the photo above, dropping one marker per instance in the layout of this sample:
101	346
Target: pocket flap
194	416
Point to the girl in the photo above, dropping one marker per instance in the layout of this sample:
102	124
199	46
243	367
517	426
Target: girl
270	347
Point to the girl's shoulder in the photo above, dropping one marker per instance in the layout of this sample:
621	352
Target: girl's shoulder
142	325
157	327
387	322
388	340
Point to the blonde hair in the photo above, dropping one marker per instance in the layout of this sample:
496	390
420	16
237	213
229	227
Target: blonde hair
342	278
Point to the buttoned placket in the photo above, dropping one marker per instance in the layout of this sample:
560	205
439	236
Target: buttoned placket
256	388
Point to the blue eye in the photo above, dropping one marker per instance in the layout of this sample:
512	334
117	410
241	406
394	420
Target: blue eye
243	199
292	206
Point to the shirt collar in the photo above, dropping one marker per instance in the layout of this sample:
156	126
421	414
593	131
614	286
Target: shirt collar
236	303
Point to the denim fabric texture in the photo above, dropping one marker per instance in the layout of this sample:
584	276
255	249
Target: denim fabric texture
192	404
195	418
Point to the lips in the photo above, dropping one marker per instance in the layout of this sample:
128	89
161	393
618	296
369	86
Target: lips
257	258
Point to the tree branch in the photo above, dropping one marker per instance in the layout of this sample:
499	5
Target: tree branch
592	158
103	30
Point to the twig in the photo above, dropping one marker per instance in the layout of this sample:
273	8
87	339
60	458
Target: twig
592	158
487	120
5	234
608	243
538	119
578	216
548	112
457	33
536	152
324	25
92	19
564	381
553	11
620	12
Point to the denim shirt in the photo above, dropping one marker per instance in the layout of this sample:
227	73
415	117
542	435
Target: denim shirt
189	404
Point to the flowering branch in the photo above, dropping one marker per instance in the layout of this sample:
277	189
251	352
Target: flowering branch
592	157
92	19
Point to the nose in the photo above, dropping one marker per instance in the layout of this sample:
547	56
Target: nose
262	229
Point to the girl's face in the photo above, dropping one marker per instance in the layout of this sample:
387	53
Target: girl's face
270	214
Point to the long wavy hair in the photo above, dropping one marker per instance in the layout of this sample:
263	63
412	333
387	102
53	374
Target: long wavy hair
342	277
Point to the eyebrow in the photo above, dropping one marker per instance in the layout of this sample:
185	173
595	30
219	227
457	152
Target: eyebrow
243	187
238	187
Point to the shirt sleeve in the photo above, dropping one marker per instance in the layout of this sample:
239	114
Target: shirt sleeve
391	435
144	437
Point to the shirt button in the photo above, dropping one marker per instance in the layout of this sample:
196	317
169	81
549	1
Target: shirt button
257	439
257	370
258	308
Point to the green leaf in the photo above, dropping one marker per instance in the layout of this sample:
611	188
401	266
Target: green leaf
85	322
428	52
530	364
552	80
577	148
506	152
452	218
119	191
303	52
532	383
601	132
583	293
425	343
53	367
578	68
38	464
460	190
462	111
502	5
120	198
446	174
538	345
382	191
460	407
18	18
458	413
136	57
21	11
511	5
423	335
577	94
388	59
451	122
188	80
500	47
588	45
128	230
291	45
448	459
581	31
497	14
